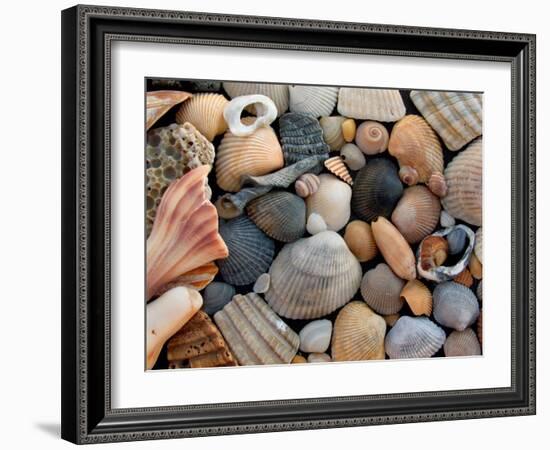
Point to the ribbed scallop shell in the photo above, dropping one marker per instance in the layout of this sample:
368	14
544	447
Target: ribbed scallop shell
418	297
276	92
416	214
279	214
307	184
315	101
205	112
372	137
257	154
478	246
462	343
313	276
358	334
353	156
301	137
250	251
331	201
360	240
376	190
414	337
336	166
159	102
464	176
383	105
455	116
216	295
381	290
255	334
454	305
332	131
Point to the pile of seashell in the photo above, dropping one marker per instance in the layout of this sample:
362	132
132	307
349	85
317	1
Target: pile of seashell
293	224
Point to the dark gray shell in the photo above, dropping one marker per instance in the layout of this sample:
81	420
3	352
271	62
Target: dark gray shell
216	295
301	137
376	190
454	305
414	337
250	251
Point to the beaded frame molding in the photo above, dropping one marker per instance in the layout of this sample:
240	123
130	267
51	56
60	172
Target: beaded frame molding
87	35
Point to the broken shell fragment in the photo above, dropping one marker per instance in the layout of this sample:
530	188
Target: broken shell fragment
265	110
418	297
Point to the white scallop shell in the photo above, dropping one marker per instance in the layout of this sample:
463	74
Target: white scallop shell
316	101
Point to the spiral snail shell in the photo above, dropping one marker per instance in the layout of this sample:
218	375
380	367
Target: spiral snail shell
372	137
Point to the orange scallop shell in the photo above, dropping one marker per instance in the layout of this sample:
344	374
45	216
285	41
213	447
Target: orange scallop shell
418	297
205	112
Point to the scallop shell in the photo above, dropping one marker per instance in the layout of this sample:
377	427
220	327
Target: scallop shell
353	156
261	286
416	214
455	116
332	131
336	166
414	337
250	251
313	277
315	336
464	176
255	334
216	295
315	101
307	184
394	248
418	297
372	137
462	343
478	247
276	92
301	137
381	290
205	112
279	214
358	334
349	129
360	240
376	190
454	305
159	102
464	278
257	154
383	105
331	202
265	109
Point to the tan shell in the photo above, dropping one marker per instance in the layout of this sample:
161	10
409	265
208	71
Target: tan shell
465	278
332	131
478	246
353	157
391	319
276	92
298	359
418	297
476	269
394	248
331	202
336	166
437	184
462	343
197	278
381	290
434	251
205	112
358	334
360	240
159	102
348	130
372	137
383	105
307	184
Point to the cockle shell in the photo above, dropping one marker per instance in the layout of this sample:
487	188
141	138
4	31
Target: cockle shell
418	297
433	252
454	305
185	233
257	154
372	137
261	286
265	109
250	251
381	290
216	295
315	224
332	131
336	166
276	92
307	184
455	116
159	102
279	214
331	202
416	214
205	112
318	358
462	343
464	176
394	248
358	334
313	277
414	337
478	247
315	336
376	190
197	278
301	137
353	156
464	278
255	334
348	129
383	105
316	101
360	240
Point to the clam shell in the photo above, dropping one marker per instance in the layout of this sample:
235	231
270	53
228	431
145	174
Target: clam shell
394	248
416	214
265	109
353	156
381	290
255	334
257	154
348	129
261	286
418	297
313	277
464	176
318	358
358	334
216	295
414	337
360	240
331	202
315	336
383	105
301	137
372	137
250	251
455	116
332	131
279	214
307	184
315	101
336	166
315	224
478	247
464	278
276	92
159	102
454	305
205	112
376	190
462	343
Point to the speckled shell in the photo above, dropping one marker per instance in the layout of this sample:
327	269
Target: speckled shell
205	112
353	157
332	131
307	184
216	295
358	334
257	154
255	334
414	337
381	290
464	176
250	251
315	336
336	166
416	214
159	102
394	248
462	343
276	92
454	305
279	214
383	105
331	202
360	240
455	116
418	297
301	137
315	101
372	137
376	190
313	276
478	246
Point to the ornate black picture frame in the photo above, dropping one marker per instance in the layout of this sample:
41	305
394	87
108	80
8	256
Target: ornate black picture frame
87	35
